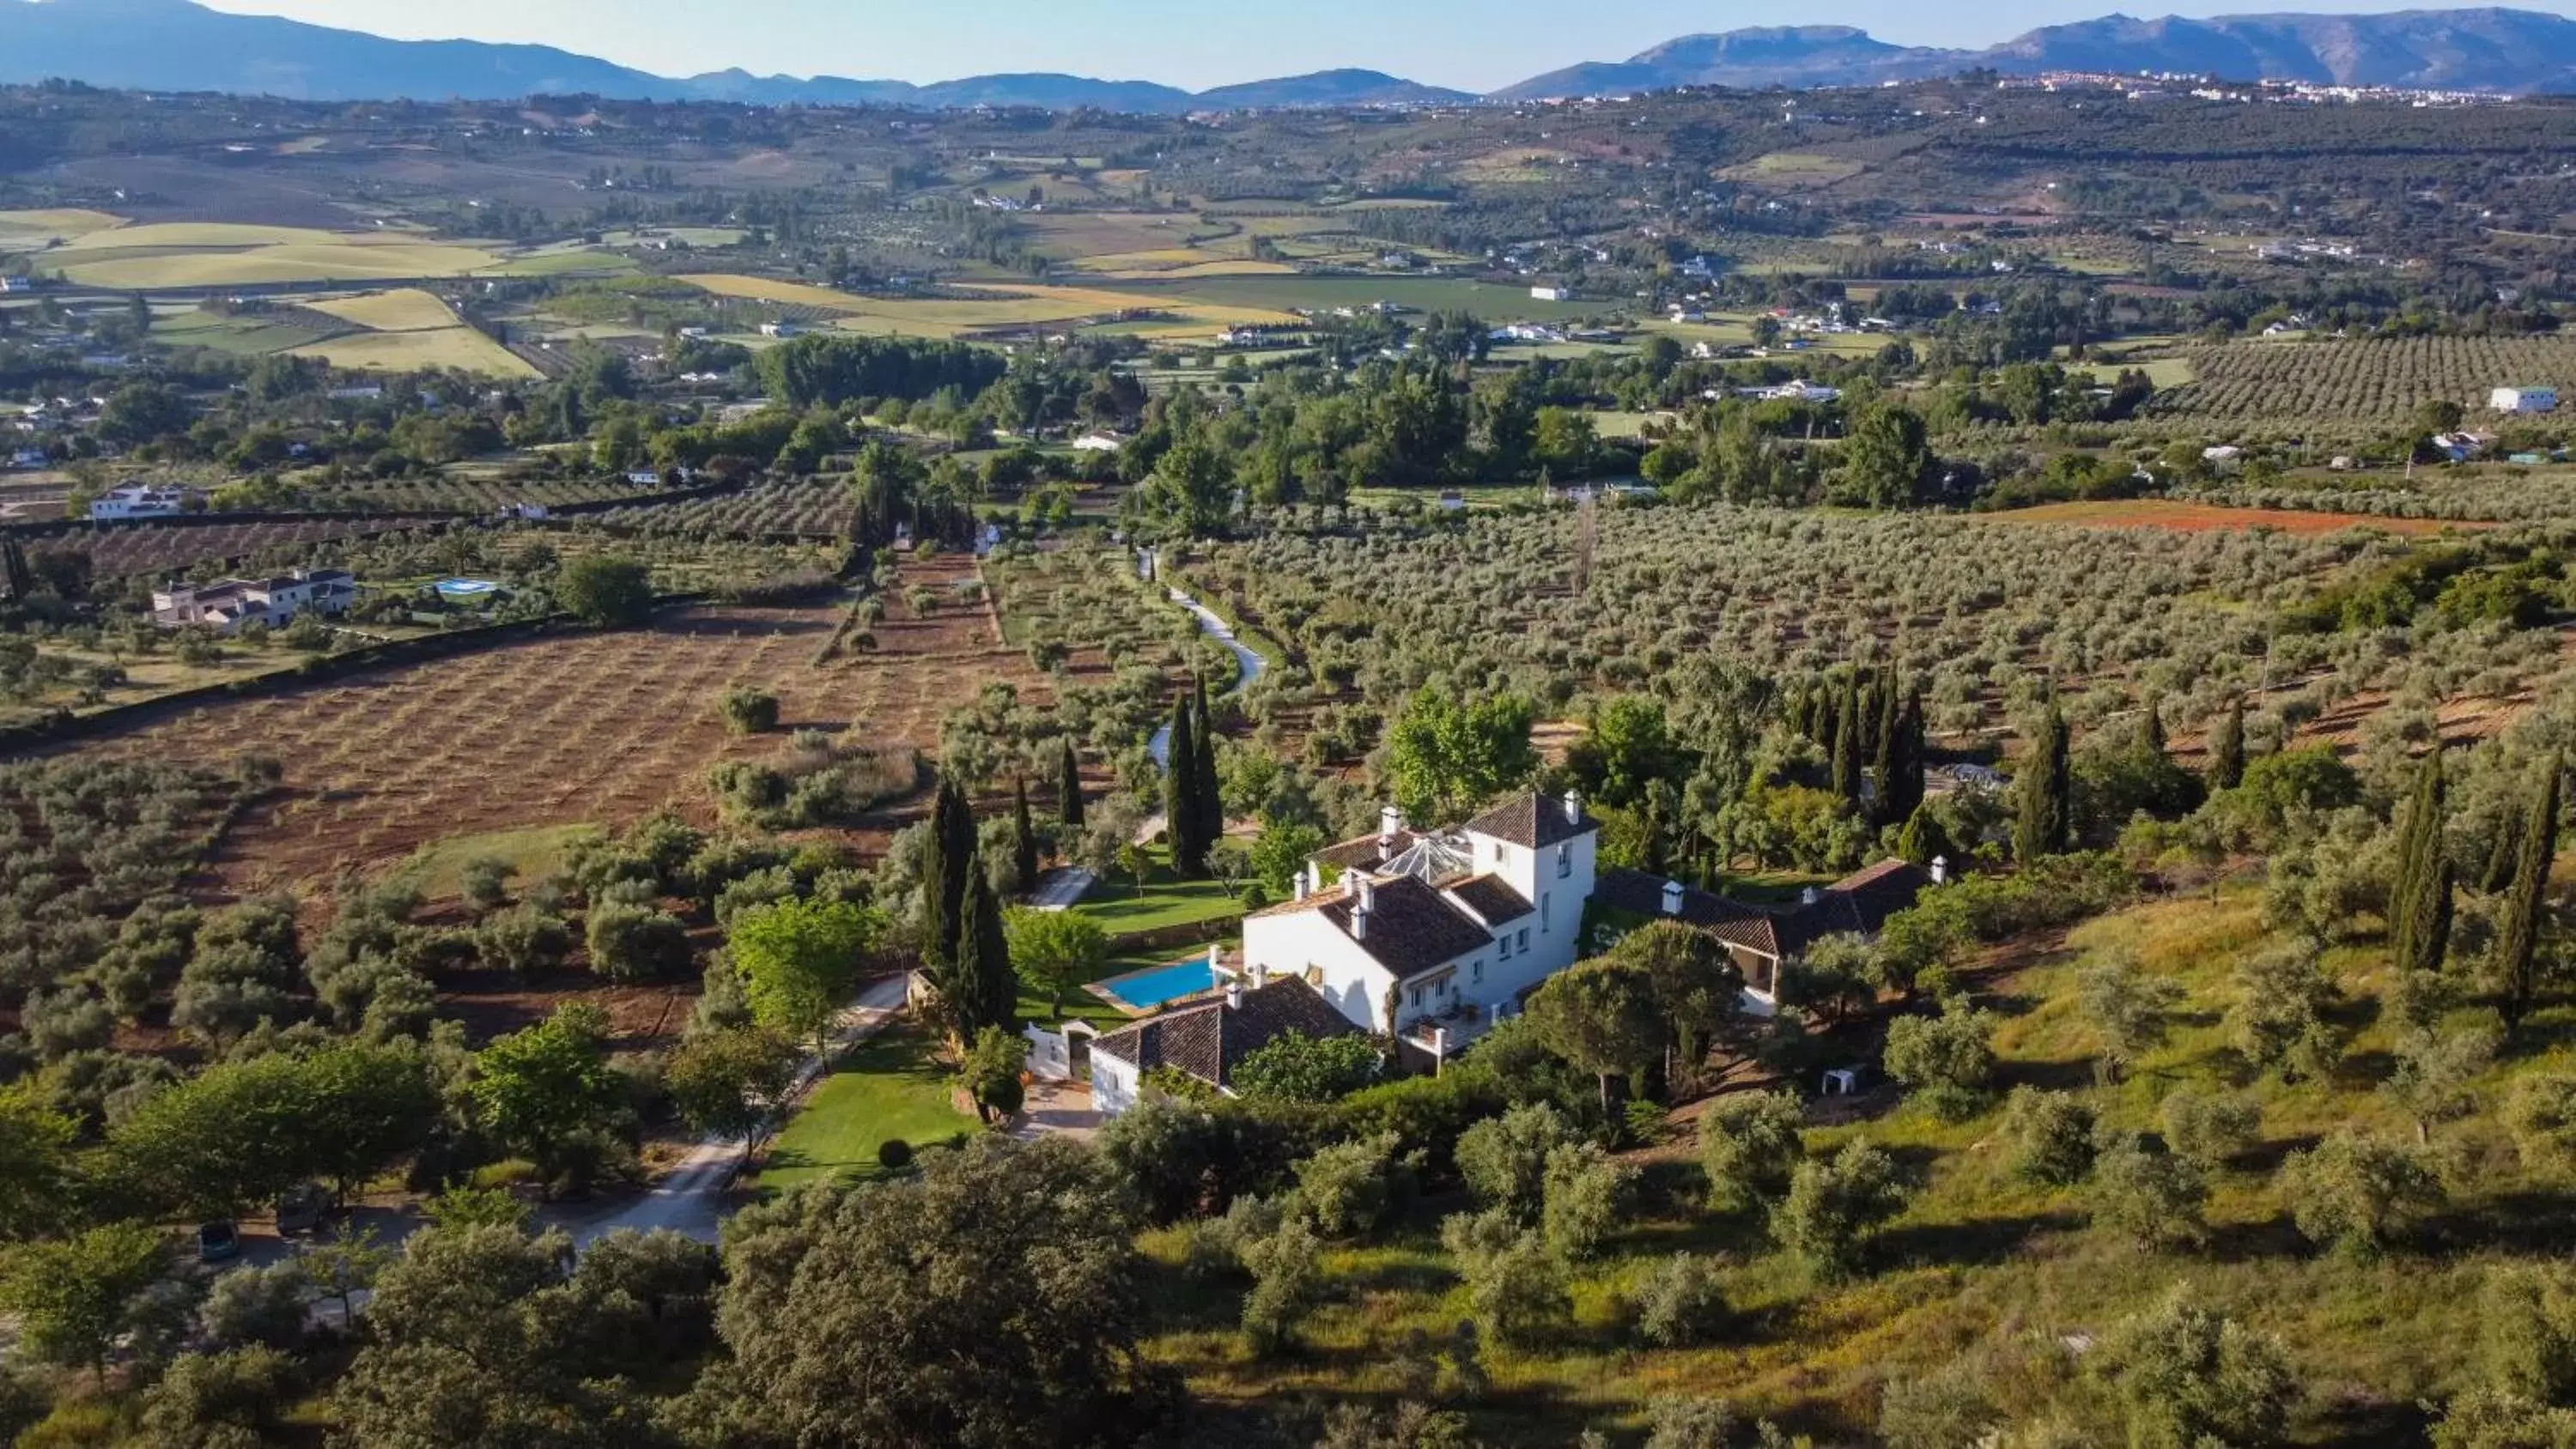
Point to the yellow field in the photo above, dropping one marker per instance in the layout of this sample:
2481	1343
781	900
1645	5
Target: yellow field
1008	304
459	347
407	309
351	260
1180	262
28	230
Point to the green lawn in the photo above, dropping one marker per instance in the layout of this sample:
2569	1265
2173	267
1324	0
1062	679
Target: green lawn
437	869
1167	901
888	1087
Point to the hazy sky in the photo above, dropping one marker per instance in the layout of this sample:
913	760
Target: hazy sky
1471	44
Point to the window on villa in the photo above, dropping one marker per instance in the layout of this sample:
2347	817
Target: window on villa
1543	914
1564	861
1417	996
1506	944
1524	938
1476	973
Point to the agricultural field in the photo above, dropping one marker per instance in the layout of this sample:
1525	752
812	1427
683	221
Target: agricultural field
573	729
458	348
801	507
131	550
2357	385
1003	305
33	231
196	255
1988	614
2187	517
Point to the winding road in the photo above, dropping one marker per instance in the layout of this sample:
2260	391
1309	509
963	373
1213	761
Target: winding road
1253	667
690	1199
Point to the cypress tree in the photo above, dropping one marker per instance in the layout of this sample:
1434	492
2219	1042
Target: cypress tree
2151	729
1024	837
1181	814
2044	825
14	573
2419	900
944	874
2502	857
2518	953
981	991
1205	790
1068	799
1909	769
1922	840
1888	755
1847	743
2227	747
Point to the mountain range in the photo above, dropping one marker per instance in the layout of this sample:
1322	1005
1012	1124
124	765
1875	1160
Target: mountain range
177	45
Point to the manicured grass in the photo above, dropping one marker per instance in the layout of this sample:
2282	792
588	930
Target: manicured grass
438	869
891	1086
1166	901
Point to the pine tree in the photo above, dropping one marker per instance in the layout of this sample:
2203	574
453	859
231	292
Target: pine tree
1181	815
944	876
1846	761
2045	823
2419	900
1024	837
2227	747
1888	754
1068	803
2518	951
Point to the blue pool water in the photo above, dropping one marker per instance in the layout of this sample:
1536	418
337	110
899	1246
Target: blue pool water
1148	989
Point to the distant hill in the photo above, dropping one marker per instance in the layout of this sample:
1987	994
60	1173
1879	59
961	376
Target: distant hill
176	45
2511	51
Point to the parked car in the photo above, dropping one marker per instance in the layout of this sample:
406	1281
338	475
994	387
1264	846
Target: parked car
301	1210
218	1242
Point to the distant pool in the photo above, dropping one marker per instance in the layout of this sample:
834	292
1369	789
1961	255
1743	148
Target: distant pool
1145	990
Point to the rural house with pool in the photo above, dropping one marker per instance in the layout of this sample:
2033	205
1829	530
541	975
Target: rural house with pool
1430	937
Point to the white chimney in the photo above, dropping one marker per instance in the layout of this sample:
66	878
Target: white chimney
1573	807
1940	870
1234	995
1390	824
1367	892
1672	898
1811	897
1261	976
1359	924
1300	886
1216	960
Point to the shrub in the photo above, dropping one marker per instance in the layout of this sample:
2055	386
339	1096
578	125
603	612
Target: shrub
2541	1114
1517	1293
748	711
2211	1129
603	590
1586	1194
1287	1283
1504	1159
1680	1303
1299	1068
636	943
1750	1145
2050	1136
1347	1189
1949	1060
1835	1205
262	1307
2354	1194
2187	1377
894	1154
219	1400
2279	1018
2153	1198
485	883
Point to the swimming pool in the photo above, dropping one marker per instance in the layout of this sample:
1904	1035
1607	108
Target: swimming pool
1145	990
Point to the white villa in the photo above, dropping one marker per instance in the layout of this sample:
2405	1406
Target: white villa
2524	400
139	501
1437	931
227	605
1427	938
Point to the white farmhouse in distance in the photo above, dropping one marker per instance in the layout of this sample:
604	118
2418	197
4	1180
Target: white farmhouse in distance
1552	294
228	604
2524	400
143	500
